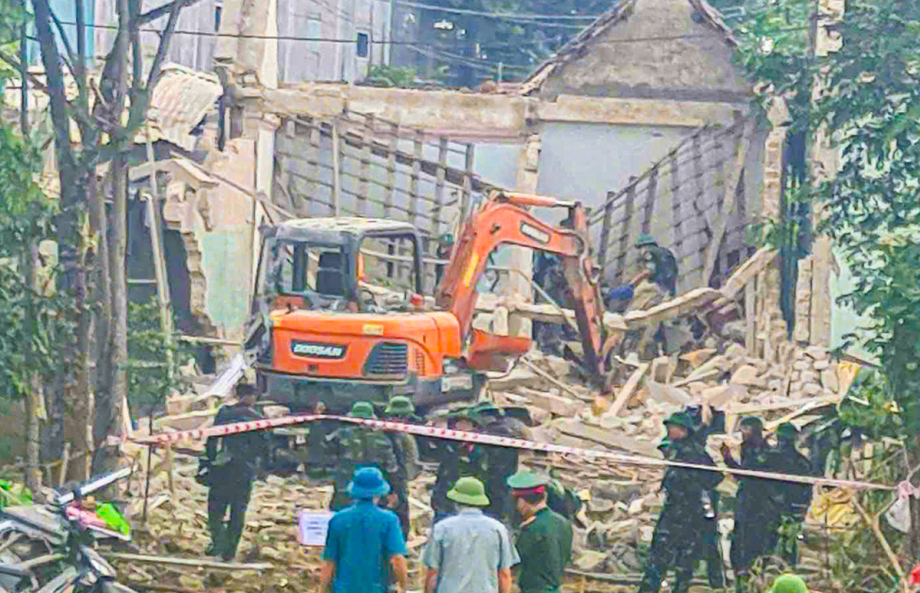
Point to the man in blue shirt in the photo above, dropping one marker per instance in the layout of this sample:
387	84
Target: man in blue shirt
364	542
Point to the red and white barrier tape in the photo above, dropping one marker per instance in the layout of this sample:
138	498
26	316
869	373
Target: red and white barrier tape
487	439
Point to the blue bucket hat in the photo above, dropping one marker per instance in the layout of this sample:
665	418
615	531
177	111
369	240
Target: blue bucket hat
367	483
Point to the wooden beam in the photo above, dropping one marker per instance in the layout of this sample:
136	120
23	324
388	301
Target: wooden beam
728	205
628	390
190	562
336	170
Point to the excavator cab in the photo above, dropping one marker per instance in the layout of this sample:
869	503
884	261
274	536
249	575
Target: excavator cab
323	263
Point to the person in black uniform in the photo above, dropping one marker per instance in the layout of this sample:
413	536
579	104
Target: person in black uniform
229	467
794	498
756	513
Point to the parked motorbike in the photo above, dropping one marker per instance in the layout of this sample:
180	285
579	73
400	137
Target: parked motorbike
49	548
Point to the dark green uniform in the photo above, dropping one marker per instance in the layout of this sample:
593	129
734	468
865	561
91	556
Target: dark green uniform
664	268
545	548
457	460
756	512
678	537
500	464
359	446
233	463
711	552
793	498
406	469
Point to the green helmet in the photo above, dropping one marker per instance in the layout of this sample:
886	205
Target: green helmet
789	583
483	412
752	421
527	480
400	406
787	430
646	241
362	410
682	419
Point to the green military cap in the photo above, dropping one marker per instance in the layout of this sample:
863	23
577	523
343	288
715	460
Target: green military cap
483	412
789	583
787	430
469	491
646	241
400	406
527	480
753	422
680	419
362	410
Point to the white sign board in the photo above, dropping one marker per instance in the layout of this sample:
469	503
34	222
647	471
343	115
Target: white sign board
312	527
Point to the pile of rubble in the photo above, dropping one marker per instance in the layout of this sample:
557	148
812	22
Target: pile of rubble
623	500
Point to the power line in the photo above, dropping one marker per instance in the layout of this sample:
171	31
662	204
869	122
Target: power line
499	15
417	43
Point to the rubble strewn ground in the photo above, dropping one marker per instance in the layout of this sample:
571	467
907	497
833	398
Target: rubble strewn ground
624	499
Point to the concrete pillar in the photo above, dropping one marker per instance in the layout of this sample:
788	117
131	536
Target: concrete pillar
825	159
521	258
768	281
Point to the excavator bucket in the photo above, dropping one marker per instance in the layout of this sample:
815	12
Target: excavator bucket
488	352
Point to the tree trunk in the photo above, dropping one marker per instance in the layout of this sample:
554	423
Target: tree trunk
109	404
913	537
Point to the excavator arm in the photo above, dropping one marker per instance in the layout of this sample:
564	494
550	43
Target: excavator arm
503	218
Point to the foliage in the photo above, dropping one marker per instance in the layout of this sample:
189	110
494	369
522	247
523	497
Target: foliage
390	76
11	19
471	46
34	323
150	378
870	104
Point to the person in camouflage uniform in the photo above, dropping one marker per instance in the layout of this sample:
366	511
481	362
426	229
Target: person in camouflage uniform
401	409
756	512
794	498
357	446
677	540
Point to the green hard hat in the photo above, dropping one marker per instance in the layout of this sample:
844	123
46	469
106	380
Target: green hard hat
526	479
362	410
753	422
787	430
400	406
680	419
469	491
789	583
483	412
646	241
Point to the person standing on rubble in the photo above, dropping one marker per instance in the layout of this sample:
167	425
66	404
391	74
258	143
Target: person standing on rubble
228	468
661	262
501	462
545	540
469	552
365	550
457	459
756	512
401	409
794	498
677	540
356	446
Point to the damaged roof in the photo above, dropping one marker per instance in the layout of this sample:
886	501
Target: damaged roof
181	98
621	11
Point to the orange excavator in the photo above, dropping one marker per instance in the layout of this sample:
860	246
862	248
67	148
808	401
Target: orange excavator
339	317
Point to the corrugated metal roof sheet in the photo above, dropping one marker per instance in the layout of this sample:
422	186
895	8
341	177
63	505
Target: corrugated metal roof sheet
181	99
